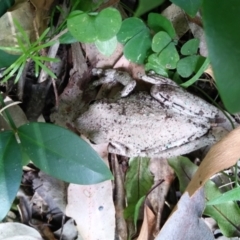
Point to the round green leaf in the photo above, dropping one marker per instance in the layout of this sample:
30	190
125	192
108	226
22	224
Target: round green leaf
81	26
107	23
137	49
157	23
190	47
10	171
188	65
160	41
130	27
107	47
169	57
62	154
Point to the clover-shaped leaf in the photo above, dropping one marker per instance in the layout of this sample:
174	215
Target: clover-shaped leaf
169	57
157	23
90	27
155	65
137	39
190	47
188	65
160	41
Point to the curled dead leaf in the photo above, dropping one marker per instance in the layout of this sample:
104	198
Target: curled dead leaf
222	155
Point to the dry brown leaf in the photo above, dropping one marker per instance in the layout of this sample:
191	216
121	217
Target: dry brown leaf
121	226
33	18
149	220
42	10
161	171
222	155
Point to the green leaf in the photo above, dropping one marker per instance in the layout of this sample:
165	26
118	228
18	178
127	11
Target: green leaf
130	28
81	26
137	39
169	57
160	41
137	49
138	182
186	66
158	23
223	41
10	171
190	47
184	170
91	27
86	5
108	47
197	75
155	65
5	5
189	6
7	59
146	5
137	210
232	195
62	154
226	215
107	24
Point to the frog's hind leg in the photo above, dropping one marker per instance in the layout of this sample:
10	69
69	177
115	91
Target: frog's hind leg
209	139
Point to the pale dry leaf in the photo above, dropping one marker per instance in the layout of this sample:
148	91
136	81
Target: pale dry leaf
177	17
98	60
149	221
14	230
198	32
93	210
222	155
210	71
186	223
23	13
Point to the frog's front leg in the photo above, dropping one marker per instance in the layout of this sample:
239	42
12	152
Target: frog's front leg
112	76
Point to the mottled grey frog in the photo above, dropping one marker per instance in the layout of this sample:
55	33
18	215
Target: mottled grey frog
167	122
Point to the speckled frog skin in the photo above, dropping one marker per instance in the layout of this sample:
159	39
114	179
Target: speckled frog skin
168	122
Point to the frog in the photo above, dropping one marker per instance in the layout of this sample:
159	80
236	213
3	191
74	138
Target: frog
167	122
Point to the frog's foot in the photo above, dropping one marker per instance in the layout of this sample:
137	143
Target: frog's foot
112	77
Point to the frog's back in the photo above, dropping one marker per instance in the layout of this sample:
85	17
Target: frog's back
139	122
